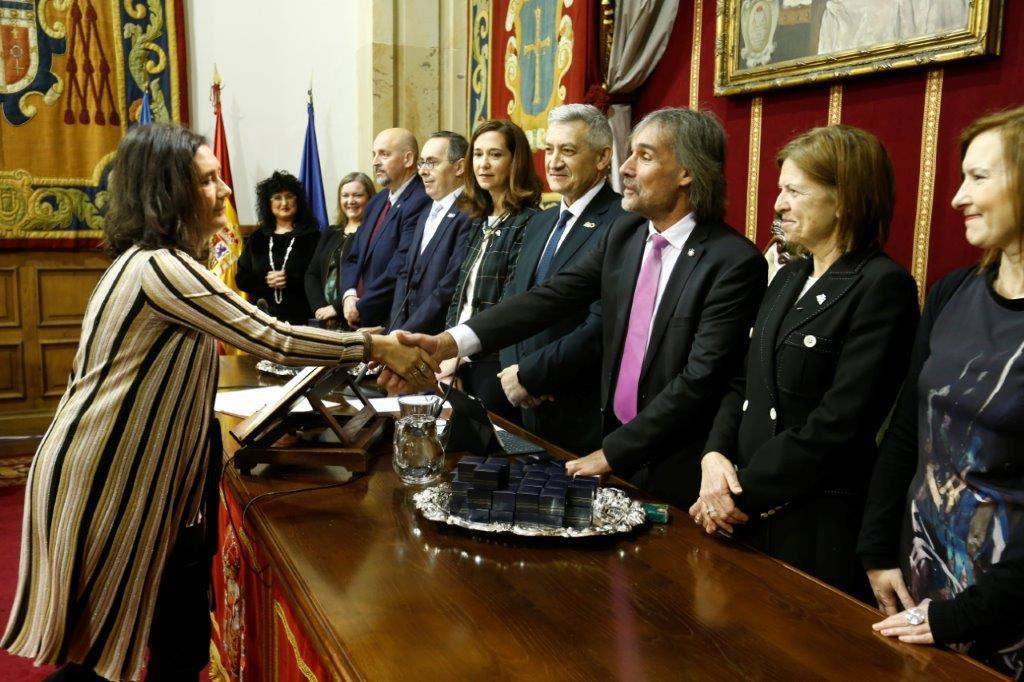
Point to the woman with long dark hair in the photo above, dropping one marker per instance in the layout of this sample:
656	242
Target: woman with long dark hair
115	557
501	196
273	263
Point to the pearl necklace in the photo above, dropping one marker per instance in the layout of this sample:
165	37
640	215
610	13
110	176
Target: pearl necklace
278	295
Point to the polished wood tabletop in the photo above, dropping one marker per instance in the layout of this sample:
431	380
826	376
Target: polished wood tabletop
386	594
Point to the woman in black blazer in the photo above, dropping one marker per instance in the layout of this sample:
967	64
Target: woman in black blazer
791	451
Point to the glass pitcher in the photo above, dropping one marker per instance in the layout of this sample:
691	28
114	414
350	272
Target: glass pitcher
418	455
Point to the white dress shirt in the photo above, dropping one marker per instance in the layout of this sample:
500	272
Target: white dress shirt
469	343
438	211
576	208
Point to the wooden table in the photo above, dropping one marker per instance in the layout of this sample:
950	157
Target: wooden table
378	592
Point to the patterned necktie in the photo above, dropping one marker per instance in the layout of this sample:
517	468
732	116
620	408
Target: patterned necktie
373	237
640	316
549	251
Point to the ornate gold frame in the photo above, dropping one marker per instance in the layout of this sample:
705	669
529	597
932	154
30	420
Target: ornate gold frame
982	36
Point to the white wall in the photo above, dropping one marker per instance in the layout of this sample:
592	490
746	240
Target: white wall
266	52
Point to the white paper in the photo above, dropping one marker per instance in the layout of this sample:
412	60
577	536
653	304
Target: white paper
249	401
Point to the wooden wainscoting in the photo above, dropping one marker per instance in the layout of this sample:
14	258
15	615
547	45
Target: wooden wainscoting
43	295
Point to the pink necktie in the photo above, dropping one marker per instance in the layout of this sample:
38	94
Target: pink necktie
640	316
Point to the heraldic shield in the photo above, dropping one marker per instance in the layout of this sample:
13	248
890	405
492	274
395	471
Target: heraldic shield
25	58
537	56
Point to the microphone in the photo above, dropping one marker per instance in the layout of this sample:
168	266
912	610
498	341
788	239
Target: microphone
262	304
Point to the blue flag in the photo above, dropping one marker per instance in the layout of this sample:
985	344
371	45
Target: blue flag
309	171
146	110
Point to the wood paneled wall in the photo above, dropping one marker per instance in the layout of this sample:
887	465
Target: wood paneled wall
43	295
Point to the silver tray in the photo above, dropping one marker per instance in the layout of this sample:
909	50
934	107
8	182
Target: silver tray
613	513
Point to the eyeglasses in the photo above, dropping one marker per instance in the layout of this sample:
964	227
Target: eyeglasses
285	198
424	164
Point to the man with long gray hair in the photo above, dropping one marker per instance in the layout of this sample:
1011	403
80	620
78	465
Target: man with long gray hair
555	376
679	290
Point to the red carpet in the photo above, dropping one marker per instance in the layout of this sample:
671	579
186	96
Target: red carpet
11	500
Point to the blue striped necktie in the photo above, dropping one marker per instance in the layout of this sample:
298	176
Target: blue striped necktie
549	251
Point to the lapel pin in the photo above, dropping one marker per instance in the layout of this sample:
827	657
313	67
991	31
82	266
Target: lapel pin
821	298
690	252
589	225
451	215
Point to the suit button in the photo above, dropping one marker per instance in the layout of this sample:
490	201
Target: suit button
810	341
751	332
746	404
772	413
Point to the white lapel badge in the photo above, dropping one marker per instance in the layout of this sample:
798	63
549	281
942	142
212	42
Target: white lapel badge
690	252
451	215
821	298
589	225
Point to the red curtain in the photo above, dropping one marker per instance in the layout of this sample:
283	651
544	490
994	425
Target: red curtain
892	106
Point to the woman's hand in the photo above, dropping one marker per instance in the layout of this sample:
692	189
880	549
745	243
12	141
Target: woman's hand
413	364
715	509
328	312
901	625
594	464
890	590
276	279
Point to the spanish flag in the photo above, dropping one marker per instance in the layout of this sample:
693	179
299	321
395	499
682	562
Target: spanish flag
227	243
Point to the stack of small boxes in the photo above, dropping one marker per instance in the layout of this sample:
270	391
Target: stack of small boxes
534	491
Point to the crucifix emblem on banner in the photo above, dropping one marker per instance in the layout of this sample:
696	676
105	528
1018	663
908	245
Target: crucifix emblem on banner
538	54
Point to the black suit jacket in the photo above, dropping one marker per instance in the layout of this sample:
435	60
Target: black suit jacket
427	281
564	360
698	339
801	422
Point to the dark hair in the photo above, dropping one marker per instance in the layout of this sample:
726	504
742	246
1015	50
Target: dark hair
282	181
524	188
155	200
1010	126
458	146
855	166
364	180
698	140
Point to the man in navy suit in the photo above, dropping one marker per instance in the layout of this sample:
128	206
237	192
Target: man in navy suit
555	376
431	270
382	243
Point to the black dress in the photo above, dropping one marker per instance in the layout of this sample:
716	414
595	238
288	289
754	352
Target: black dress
323	277
822	373
254	264
959	431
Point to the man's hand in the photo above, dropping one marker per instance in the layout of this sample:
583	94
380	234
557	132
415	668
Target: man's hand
328	312
514	391
350	311
594	464
276	279
715	508
440	346
890	590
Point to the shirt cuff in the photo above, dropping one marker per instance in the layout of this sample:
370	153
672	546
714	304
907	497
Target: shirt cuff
466	340
350	292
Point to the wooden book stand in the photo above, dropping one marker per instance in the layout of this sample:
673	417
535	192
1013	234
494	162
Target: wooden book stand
346	446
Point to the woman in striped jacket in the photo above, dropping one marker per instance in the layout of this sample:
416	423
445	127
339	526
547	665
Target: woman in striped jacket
115	494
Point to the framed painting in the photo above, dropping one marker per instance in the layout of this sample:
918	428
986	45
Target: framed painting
768	44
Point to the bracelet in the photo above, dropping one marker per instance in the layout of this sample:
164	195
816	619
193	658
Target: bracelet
367	346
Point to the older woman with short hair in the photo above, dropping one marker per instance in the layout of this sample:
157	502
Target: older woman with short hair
788	460
957	567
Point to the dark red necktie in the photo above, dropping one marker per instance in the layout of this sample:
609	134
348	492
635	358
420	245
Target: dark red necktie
373	237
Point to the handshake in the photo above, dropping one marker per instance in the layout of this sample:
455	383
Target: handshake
412	360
